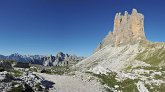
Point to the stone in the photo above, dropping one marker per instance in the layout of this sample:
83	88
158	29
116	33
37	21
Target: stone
128	29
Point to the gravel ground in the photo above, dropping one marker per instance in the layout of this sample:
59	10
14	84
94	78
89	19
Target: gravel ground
76	83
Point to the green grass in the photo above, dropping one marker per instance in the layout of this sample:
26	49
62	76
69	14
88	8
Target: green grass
109	80
128	68
16	89
33	69
38	86
59	70
16	73
152	57
128	85
158	77
10	61
148	68
156	88
2	69
152	69
47	71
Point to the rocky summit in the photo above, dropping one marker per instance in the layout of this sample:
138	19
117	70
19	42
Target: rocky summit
128	29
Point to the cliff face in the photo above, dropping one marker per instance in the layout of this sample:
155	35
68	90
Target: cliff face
128	29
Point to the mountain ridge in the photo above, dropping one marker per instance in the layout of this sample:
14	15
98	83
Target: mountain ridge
47	60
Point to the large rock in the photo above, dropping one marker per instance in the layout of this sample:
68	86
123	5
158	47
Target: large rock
128	29
27	82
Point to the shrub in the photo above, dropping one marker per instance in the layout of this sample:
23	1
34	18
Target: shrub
17	89
16	73
48	71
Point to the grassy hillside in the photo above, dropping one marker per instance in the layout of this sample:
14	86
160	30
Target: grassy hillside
154	54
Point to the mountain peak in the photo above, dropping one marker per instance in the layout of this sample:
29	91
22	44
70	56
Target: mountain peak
128	29
134	11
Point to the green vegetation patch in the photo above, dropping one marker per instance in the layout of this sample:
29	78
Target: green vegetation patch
127	85
33	69
153	57
2	69
16	73
158	77
19	88
59	70
109	79
47	71
128	68
156	88
148	68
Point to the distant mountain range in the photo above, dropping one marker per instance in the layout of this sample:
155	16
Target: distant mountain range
59	59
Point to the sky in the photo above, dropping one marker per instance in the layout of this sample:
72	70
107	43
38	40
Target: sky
46	27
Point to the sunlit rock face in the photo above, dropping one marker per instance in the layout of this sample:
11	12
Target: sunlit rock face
128	29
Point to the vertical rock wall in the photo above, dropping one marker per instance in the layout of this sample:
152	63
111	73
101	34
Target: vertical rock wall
128	29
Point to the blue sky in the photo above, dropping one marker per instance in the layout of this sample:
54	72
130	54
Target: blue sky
72	26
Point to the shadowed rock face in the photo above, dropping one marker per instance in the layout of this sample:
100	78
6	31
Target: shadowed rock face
128	29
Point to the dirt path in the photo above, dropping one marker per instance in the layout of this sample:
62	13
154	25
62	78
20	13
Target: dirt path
71	84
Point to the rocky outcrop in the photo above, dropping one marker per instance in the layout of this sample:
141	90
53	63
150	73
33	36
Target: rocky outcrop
28	82
128	29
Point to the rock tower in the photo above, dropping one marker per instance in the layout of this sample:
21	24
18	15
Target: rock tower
128	29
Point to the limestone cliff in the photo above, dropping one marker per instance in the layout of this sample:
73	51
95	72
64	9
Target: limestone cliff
128	29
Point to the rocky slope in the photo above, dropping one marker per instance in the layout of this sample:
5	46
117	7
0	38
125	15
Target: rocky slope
125	57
